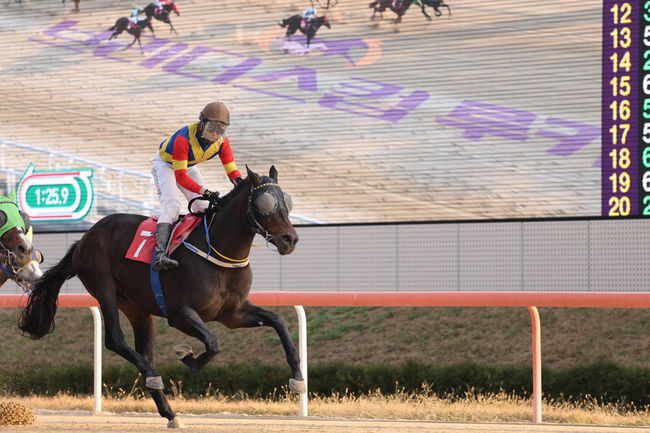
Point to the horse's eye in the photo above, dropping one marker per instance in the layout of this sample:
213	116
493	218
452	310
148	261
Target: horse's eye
288	201
3	218
266	203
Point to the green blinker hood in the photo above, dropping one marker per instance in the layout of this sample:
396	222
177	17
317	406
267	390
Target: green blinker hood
10	216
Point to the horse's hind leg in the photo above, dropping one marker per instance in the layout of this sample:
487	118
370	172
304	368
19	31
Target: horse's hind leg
249	316
103	288
144	330
188	321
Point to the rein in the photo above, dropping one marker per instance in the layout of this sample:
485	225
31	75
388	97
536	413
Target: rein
252	224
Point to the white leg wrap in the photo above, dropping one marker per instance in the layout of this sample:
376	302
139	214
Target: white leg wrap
154	382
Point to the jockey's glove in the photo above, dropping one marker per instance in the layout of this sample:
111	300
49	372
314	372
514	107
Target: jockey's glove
236	181
213	196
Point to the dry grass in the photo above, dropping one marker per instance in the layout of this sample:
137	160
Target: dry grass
490	408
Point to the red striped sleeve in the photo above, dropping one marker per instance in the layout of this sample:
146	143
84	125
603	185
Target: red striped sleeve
179	162
227	157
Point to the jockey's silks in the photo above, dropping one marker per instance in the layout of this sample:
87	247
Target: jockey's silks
184	149
196	152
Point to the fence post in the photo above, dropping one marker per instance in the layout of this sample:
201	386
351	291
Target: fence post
302	351
97	357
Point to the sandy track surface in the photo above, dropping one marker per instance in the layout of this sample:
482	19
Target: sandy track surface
77	421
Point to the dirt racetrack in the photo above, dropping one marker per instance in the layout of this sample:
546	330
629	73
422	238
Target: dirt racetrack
76	421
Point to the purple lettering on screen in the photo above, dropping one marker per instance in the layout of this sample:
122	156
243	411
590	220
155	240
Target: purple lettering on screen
479	119
269	93
164	55
342	48
306	77
234	72
368	89
569	143
174	66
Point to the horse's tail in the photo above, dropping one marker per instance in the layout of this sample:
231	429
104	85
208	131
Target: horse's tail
373	4
37	319
284	23
113	28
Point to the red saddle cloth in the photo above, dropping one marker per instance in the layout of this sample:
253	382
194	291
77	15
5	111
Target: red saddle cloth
144	241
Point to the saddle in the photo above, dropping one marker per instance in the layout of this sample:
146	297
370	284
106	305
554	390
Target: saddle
144	241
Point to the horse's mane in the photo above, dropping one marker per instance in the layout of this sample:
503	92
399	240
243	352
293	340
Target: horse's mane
224	200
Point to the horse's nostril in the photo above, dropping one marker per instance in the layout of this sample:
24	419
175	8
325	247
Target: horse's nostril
290	239
21	249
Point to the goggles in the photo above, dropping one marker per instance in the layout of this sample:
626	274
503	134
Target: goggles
213	127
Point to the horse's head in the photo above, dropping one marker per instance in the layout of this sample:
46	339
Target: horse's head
18	258
326	22
176	8
268	211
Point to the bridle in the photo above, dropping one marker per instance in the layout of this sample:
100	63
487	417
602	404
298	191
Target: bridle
7	260
254	212
264	199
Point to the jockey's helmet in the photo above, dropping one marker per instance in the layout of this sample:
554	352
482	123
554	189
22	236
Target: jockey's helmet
216	112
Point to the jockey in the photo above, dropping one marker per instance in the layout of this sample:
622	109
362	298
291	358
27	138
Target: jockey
160	4
174	168
133	18
307	16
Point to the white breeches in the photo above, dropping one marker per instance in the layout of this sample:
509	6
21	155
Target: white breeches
167	188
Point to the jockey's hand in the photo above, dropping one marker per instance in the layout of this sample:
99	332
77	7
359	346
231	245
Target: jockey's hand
236	181
213	196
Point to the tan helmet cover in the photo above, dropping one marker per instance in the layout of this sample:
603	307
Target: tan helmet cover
216	111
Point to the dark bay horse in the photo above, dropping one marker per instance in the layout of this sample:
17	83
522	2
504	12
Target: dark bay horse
122	24
398	6
76	5
19	260
436	5
150	11
196	292
293	25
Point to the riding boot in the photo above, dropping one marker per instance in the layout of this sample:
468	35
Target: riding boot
161	261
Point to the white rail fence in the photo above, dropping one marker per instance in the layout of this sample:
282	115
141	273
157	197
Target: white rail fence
531	300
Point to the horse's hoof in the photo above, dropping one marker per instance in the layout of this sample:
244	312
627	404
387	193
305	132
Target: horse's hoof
154	382
297	386
175	423
182	350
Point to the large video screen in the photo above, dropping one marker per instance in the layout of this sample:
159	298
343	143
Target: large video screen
397	110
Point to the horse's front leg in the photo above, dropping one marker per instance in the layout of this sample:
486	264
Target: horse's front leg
187	320
249	316
425	12
140	44
171	27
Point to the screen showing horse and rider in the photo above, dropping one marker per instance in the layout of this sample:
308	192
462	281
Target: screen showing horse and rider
395	110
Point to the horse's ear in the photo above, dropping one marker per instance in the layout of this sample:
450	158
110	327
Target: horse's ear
273	173
254	177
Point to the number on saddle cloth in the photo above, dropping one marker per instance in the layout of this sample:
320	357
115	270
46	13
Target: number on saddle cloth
144	240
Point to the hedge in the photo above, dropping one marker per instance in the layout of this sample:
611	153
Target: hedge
604	381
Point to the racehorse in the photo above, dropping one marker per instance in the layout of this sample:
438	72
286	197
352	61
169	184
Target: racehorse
196	292
150	11
76	5
19	260
293	24
398	6
436	5
122	24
